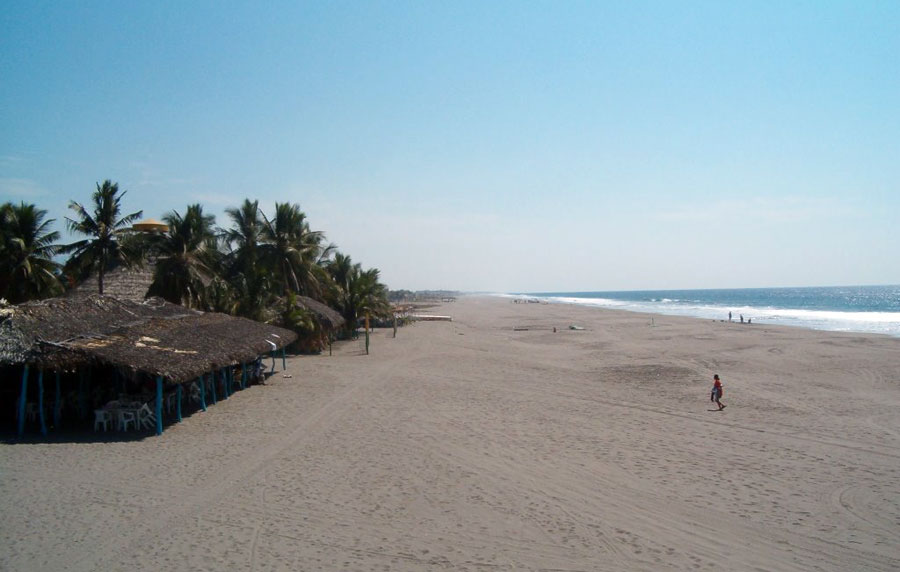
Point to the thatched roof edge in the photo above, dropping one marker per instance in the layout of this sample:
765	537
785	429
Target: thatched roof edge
153	337
327	315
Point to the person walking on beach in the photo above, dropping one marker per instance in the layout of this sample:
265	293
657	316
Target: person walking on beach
716	393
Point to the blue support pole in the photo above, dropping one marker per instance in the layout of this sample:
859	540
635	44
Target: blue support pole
272	353
243	375
202	383
159	391
22	398
178	403
41	401
212	378
221	377
283	360
57	409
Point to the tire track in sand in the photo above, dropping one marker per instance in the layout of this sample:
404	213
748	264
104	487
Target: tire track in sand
194	500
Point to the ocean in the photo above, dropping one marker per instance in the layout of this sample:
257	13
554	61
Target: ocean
869	309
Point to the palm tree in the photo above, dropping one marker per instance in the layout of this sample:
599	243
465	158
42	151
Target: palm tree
186	258
370	294
293	250
245	235
340	269
358	291
27	270
103	228
247	279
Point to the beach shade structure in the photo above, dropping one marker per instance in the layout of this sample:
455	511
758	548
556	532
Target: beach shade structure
150	225
328	320
328	317
122	283
164	343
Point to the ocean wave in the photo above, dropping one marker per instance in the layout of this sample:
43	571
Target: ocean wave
830	320
605	302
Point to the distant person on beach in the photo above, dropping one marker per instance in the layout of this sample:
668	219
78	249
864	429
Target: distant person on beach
742	318
716	393
729	316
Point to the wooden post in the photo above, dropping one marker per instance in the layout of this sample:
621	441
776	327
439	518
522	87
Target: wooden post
22	398
367	333
159	391
41	401
202	383
57	409
395	325
178	403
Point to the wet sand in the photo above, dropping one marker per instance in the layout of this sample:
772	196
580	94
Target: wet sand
493	443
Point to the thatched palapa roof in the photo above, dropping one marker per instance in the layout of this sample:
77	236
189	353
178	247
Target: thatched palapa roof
153	337
122	282
326	316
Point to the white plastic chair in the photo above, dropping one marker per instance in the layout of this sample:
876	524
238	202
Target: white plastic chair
195	392
102	417
146	418
170	402
126	417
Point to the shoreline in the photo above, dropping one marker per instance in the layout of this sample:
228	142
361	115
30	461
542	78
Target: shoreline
492	441
545	299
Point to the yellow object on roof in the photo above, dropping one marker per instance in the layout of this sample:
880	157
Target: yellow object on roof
150	225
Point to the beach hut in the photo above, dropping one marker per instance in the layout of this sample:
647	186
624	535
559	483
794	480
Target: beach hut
125	282
154	346
122	283
328	321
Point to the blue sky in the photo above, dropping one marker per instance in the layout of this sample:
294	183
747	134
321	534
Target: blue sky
499	146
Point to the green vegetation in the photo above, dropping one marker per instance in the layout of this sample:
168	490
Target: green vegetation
186	258
27	269
255	268
101	249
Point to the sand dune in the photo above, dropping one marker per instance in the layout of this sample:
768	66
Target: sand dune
493	443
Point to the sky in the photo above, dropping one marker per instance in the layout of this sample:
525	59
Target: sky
483	146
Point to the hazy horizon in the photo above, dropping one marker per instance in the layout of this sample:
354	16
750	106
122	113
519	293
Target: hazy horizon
502	147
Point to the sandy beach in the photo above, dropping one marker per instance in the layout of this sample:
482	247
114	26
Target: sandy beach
494	443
